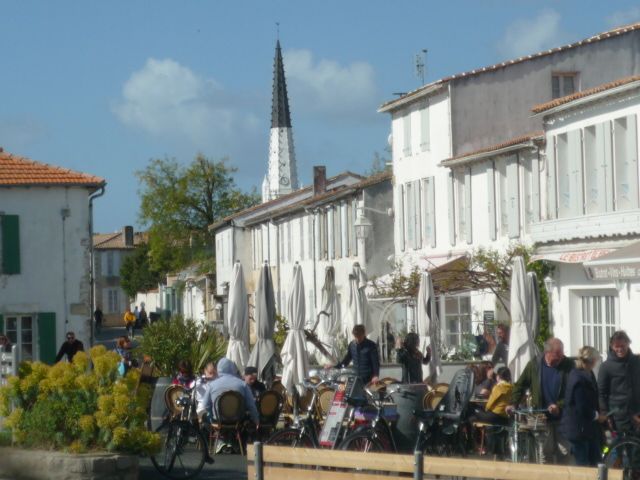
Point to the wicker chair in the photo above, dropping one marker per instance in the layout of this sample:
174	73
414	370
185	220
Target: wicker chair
230	413
269	408
171	395
431	399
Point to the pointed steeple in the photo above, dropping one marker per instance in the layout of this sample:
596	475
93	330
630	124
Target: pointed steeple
280	116
282	176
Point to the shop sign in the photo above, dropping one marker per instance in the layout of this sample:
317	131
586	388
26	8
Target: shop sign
614	272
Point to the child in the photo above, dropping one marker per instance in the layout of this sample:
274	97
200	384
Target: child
499	399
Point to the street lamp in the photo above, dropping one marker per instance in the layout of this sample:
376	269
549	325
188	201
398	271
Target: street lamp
549	284
363	226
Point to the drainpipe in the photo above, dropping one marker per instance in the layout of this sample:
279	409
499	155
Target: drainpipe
92	308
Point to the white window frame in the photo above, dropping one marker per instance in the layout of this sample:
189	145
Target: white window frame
406	134
463	319
599	318
562	90
18	333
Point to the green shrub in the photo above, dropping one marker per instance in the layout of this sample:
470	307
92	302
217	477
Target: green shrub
71	406
167	342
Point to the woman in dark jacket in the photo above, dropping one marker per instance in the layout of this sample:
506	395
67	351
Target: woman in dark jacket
580	415
410	358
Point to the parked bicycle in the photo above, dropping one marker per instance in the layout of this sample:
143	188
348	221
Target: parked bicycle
377	436
623	453
528	423
183	446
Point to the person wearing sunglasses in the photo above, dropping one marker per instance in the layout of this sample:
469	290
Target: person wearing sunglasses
70	347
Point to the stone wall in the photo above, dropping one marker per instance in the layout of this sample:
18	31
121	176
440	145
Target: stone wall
39	464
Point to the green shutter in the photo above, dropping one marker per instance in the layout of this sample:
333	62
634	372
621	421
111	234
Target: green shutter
47	337
1	324
10	244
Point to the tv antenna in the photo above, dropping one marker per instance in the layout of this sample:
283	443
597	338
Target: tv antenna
420	64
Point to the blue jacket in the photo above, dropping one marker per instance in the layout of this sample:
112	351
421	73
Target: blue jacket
364	356
228	380
580	407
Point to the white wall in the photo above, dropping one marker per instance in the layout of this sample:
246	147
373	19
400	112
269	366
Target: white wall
54	274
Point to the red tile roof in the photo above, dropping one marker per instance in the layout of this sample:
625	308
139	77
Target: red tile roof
18	171
543	107
596	38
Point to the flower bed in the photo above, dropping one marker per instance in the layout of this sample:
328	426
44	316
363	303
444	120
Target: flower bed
78	407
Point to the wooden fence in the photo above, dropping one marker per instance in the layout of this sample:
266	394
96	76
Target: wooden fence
277	463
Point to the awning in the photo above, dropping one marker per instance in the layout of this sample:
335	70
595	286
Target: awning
621	264
572	257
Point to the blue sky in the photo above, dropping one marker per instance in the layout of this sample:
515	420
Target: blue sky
102	87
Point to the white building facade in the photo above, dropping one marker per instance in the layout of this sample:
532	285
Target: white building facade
469	161
45	248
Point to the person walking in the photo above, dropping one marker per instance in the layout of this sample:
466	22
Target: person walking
70	347
130	322
364	355
5	344
144	320
619	386
98	317
546	378
411	358
580	419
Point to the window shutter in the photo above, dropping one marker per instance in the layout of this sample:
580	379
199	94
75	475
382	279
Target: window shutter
452	213
344	230
417	215
513	197
552	189
594	200
330	233
607	165
491	199
425	140
411	238
406	123
47	337
10	226
1	324
400	194
626	161
337	234
574	154
467	205
535	189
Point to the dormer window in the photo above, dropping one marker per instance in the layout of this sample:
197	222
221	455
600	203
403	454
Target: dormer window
563	84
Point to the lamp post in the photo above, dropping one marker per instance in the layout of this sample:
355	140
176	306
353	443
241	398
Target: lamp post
549	286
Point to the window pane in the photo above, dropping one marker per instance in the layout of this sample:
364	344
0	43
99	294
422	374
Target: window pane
555	86
465	304
451	306
568	85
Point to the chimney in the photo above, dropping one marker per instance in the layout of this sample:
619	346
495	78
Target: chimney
128	236
319	180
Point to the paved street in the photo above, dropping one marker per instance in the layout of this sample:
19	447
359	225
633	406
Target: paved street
227	467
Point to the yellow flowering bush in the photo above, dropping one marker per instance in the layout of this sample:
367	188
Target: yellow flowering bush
79	406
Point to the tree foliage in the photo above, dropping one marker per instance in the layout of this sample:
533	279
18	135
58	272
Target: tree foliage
178	203
136	272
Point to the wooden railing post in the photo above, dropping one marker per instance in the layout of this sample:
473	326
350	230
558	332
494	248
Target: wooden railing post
603	472
259	466
418	470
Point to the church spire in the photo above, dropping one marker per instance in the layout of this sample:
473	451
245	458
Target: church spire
280	116
282	177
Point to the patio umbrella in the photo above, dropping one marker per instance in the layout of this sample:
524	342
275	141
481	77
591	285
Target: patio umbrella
263	355
534	311
358	305
521	348
428	326
294	352
238	319
328	324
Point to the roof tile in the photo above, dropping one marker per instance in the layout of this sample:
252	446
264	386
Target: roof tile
18	171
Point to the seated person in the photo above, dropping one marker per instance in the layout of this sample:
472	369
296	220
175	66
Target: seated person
209	373
185	377
228	379
251	379
499	399
484	380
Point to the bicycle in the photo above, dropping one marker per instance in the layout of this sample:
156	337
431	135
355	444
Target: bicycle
183	446
378	435
528	422
305	432
623	453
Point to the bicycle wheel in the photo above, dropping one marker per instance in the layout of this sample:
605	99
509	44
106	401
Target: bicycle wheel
291	437
361	442
625	456
183	450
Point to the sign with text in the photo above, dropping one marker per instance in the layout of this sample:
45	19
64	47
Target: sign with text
614	272
333	423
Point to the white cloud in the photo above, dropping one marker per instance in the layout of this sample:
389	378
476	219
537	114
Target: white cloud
528	36
624	17
327	89
166	99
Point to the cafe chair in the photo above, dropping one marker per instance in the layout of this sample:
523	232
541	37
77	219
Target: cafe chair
230	413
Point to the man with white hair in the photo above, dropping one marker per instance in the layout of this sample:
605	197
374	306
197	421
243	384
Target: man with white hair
545	378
